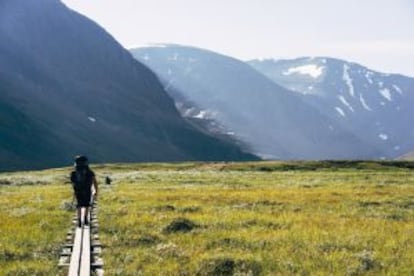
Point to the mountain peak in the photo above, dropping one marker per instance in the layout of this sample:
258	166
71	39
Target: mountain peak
68	87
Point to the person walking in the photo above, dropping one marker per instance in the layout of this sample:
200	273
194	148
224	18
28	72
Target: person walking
83	179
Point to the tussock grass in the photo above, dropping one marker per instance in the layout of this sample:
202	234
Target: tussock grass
32	223
256	218
266	218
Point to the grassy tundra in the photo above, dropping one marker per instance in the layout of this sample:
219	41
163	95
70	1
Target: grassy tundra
264	218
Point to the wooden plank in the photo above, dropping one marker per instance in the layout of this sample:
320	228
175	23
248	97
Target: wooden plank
85	264
80	262
76	251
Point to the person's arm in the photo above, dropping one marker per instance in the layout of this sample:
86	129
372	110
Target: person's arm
95	186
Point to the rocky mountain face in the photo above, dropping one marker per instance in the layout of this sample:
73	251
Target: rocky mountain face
376	107
67	87
230	97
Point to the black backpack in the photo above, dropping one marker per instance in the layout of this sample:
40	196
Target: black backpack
81	180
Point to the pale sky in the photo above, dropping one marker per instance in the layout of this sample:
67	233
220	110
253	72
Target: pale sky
378	34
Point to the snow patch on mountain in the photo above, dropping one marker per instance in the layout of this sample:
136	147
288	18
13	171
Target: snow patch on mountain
340	111
398	89
346	103
383	136
312	70
203	114
364	103
386	93
348	80
368	75
92	119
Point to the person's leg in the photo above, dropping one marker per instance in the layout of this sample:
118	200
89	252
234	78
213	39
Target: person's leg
79	216
86	216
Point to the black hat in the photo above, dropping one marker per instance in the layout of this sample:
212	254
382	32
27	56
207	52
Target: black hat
81	161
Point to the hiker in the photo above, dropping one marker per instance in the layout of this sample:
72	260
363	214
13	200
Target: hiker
82	179
108	180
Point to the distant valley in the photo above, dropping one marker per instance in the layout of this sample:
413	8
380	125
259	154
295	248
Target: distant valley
307	108
67	87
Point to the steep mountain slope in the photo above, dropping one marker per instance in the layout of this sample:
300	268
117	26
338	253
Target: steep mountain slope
67	87
237	100
408	156
377	107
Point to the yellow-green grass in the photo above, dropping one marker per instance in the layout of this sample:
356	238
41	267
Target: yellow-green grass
33	222
264	218
259	218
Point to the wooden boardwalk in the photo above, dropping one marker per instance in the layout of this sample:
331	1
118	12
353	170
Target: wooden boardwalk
81	252
80	260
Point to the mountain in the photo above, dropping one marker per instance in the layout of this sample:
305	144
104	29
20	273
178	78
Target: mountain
67	87
408	156
229	97
375	106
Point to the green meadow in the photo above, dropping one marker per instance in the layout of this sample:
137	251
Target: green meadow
261	218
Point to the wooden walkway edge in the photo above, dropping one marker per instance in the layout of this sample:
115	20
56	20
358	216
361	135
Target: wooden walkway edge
81	253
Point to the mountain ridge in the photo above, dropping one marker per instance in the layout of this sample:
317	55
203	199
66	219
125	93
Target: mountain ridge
235	95
67	87
372	104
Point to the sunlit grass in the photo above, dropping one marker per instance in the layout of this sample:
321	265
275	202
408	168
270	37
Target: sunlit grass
267	218
32	223
344	221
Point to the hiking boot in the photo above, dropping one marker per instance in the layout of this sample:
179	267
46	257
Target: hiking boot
79	223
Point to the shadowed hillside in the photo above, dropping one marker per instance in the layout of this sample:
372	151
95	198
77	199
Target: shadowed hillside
67	87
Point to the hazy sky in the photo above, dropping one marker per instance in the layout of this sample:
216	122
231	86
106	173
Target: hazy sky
376	33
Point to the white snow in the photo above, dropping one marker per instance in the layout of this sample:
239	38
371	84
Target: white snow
312	70
397	89
340	111
380	84
92	119
202	114
386	93
346	103
368	75
348	80
383	136
364	103
323	60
